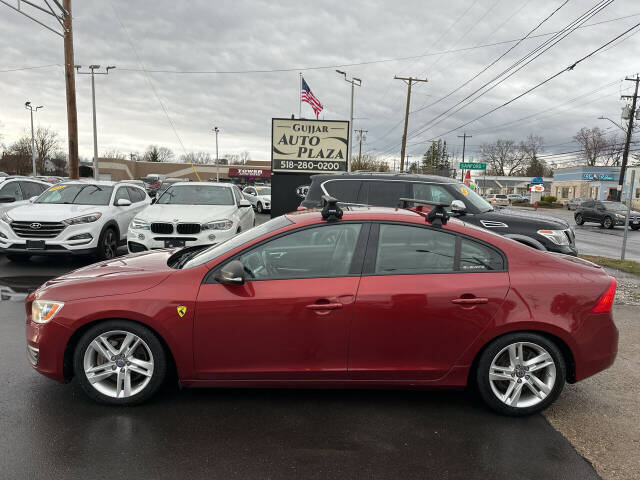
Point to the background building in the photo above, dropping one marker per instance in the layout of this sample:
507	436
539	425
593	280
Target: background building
599	183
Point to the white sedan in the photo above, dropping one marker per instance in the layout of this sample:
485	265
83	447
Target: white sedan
191	214
260	197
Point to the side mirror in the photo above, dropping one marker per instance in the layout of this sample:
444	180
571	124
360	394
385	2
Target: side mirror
458	206
7	199
231	274
33	199
244	203
123	202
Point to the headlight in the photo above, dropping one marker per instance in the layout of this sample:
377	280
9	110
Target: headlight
42	311
83	219
556	236
137	224
218	225
620	216
6	218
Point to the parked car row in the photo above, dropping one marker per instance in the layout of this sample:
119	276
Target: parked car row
96	217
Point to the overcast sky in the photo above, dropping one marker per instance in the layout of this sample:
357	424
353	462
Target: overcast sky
205	35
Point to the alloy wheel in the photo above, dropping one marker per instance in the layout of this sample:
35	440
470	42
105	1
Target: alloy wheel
522	374
259	207
579	219
109	244
118	364
606	223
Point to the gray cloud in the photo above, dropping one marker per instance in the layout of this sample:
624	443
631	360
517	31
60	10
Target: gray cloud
235	35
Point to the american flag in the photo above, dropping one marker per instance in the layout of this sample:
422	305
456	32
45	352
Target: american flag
306	95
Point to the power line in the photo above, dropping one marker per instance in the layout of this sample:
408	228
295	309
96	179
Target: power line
30	68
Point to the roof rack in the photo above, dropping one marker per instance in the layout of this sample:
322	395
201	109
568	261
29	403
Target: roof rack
438	216
331	212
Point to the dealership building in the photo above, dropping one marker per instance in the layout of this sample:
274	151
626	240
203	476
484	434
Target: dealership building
599	183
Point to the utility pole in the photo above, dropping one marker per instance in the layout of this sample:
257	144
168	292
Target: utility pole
93	99
409	81
625	154
361	137
62	14
28	106
216	130
353	84
70	81
464	137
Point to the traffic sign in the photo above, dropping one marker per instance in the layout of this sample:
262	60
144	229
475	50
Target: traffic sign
473	166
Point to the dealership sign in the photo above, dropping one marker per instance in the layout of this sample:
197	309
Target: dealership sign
597	176
309	146
250	172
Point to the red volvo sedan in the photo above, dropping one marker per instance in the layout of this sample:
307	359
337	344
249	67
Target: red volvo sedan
375	298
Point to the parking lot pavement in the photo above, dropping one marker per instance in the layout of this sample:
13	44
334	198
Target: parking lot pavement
52	431
600	415
592	239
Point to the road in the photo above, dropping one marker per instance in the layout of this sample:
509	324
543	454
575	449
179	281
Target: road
591	239
52	431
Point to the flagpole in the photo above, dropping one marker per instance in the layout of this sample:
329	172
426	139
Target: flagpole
300	98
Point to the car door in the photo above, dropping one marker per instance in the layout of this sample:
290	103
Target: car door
13	195
245	214
123	215
249	193
587	210
424	296
291	318
138	197
599	212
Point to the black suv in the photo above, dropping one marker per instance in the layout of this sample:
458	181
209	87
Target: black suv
606	213
385	189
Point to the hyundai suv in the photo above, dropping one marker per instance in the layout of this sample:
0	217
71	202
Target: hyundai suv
383	189
76	217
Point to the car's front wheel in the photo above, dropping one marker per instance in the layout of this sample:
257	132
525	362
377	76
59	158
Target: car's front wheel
107	244
259	207
607	222
119	362
520	373
579	219
635	227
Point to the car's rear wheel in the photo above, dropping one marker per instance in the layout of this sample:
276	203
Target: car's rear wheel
119	362
18	257
607	222
520	374
107	244
635	227
259	207
579	219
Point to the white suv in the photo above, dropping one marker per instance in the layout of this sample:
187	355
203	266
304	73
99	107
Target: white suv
76	217
259	197
190	214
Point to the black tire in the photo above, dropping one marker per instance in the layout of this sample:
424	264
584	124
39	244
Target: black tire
259	207
607	222
494	348
151	340
635	227
579	219
107	244
18	257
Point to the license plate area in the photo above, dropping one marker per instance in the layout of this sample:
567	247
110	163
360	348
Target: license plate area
35	245
173	243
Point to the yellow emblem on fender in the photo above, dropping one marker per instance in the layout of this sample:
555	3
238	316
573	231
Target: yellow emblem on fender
182	310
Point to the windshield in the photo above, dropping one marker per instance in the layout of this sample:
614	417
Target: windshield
197	195
240	239
614	206
263	190
77	194
473	198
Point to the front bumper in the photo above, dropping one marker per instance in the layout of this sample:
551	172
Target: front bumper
60	245
45	348
141	240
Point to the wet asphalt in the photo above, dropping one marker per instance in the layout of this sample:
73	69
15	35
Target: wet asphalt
53	431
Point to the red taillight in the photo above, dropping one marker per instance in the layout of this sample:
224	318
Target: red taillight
301	208
606	301
157	185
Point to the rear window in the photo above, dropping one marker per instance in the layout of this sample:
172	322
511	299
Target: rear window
501	196
344	190
383	193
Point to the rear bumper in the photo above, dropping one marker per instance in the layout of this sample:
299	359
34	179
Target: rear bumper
599	349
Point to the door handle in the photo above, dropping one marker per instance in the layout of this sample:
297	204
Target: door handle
324	306
470	301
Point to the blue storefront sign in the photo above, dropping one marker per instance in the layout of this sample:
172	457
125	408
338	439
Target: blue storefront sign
597	176
537	181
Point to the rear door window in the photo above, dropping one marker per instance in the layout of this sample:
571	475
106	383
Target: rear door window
431	193
32	189
121	194
11	189
383	193
475	257
346	191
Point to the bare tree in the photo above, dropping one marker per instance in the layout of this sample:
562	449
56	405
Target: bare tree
154	153
245	157
47	146
612	153
370	163
197	158
59	163
504	158
593	143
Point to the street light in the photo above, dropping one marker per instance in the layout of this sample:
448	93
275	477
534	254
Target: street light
93	98
616	124
216	130
28	106
353	84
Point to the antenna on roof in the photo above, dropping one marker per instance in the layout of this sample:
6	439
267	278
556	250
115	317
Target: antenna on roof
438	216
331	212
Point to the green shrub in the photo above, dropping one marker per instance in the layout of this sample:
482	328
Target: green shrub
549	198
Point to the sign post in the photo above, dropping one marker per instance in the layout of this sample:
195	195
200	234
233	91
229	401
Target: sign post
300	148
626	220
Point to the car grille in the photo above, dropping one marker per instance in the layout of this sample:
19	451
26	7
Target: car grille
164	228
188	228
37	229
